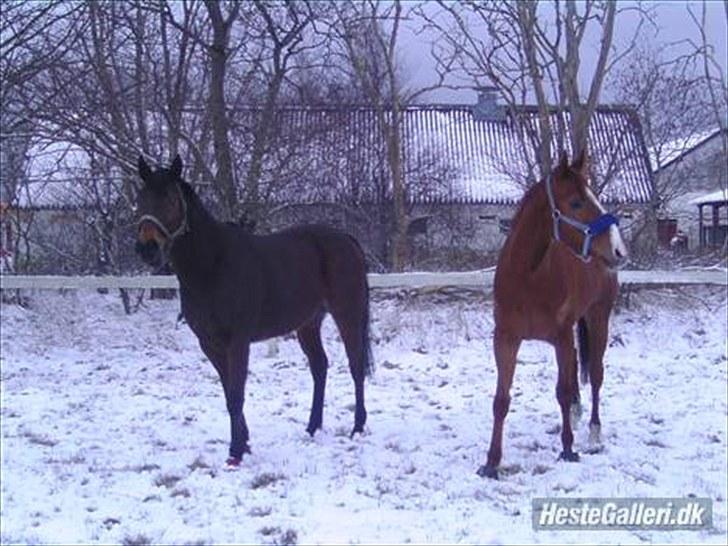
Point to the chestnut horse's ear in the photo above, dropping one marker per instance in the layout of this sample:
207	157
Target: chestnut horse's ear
564	162
176	168
580	163
144	171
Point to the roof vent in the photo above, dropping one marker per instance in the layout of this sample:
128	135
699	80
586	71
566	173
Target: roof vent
487	107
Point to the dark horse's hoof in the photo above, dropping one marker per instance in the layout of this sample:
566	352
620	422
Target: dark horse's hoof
233	462
357	429
486	471
571	456
312	430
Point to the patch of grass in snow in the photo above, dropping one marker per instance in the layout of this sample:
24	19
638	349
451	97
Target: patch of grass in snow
265	479
278	536
166	480
139	539
260	511
146	467
181	492
198	464
39	439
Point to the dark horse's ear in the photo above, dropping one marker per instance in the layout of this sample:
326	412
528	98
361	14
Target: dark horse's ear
176	168
580	163
144	171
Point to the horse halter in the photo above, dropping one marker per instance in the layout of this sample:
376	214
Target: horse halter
591	230
183	227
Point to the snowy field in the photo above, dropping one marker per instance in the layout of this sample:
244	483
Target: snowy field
114	428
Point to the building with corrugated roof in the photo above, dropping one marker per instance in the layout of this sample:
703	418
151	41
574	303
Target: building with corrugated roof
693	178
465	169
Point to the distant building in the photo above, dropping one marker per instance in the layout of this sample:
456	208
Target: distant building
696	209
465	167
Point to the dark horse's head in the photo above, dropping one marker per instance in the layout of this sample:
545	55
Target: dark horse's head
162	211
579	220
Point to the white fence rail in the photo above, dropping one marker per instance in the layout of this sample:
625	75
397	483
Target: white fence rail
471	280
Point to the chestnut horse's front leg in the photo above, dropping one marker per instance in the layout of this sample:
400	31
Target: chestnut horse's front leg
566	359
505	347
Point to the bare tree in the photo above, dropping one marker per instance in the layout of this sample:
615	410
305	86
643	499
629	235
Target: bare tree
713	73
369	33
532	52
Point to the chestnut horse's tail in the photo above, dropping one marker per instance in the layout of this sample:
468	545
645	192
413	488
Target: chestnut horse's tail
583	341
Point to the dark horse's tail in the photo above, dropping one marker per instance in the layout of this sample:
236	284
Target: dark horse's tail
583	340
366	345
366	341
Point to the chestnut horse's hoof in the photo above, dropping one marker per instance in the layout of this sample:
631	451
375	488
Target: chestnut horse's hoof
570	456
486	471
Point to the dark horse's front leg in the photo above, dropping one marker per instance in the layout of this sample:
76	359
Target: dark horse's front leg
232	367
236	374
566	358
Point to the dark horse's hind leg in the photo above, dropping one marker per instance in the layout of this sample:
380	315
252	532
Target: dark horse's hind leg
309	336
566	358
352	328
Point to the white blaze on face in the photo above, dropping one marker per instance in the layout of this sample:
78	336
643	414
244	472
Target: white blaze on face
619	249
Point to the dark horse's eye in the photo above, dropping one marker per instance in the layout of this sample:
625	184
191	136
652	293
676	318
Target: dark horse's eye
575	204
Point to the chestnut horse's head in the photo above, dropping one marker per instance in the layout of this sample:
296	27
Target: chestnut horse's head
162	211
579	219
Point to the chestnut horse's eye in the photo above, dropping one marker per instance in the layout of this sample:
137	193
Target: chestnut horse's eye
575	204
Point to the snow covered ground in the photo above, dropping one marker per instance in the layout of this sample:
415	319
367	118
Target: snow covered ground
114	428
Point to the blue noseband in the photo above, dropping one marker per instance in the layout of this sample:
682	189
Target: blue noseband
591	230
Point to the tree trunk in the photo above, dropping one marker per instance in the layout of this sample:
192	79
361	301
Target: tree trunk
225	176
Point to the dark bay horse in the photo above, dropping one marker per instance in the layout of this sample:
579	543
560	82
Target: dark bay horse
556	269
237	288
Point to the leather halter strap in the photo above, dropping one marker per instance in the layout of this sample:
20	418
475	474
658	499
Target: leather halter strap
183	227
589	231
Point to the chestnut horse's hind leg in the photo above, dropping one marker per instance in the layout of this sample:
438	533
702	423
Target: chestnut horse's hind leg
566	358
505	348
597	322
309	336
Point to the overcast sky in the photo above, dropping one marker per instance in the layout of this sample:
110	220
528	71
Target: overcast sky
672	25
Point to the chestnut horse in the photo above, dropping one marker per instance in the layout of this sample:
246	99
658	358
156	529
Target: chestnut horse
237	288
556	269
